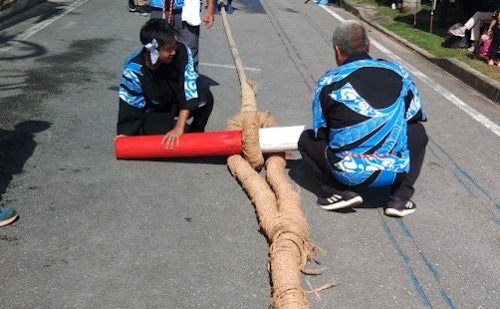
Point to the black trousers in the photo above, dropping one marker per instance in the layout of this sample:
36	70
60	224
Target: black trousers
161	123
313	153
187	34
495	44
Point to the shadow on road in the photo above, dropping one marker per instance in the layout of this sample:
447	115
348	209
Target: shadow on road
28	49
207	81
23	90
16	147
197	160
41	12
304	177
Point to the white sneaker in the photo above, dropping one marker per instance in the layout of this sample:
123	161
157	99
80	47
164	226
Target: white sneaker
458	31
395	209
339	200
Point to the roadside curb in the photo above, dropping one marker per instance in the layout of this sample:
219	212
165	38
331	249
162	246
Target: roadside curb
18	7
471	77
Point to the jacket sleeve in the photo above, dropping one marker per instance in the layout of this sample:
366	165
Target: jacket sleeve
131	103
318	105
325	102
188	98
413	104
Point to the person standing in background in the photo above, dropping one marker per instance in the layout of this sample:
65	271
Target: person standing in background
140	8
183	16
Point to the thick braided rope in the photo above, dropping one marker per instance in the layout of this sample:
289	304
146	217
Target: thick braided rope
278	210
276	203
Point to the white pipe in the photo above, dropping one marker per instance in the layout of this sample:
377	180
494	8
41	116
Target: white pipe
280	138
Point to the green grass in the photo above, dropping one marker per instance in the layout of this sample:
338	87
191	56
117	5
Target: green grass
420	35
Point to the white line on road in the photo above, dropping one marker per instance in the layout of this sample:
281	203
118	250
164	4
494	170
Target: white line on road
431	83
42	25
228	66
311	287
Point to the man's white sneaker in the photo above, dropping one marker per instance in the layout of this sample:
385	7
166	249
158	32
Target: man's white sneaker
395	209
339	200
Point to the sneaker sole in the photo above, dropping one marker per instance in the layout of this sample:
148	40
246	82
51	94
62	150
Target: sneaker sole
9	221
391	212
344	204
458	34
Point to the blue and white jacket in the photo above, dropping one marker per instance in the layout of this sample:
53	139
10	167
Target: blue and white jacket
170	88
363	108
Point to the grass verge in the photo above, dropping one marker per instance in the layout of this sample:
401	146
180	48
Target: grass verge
419	34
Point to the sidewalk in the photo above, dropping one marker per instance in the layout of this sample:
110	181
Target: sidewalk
471	77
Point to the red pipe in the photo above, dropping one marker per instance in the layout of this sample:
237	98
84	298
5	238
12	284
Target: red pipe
219	143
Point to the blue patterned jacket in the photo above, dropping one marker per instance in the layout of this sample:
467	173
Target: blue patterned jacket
170	88
369	148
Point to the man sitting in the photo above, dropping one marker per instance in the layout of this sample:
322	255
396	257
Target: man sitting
159	89
366	130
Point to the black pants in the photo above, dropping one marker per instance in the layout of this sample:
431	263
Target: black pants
495	44
161	123
187	34
313	153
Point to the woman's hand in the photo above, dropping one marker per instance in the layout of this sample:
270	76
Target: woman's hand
171	139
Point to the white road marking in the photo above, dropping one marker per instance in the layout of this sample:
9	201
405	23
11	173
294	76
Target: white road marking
228	66
311	287
42	25
490	125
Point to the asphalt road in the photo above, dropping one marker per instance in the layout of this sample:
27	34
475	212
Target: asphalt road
95	232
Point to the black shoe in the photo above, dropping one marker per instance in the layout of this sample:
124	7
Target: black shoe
142	10
340	199
400	209
131	6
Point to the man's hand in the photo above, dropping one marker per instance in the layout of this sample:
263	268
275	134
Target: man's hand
171	139
209	16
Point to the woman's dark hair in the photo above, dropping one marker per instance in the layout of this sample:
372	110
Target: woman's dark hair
157	29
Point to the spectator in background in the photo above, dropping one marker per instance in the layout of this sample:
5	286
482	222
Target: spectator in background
463	9
141	8
188	32
474	24
7	216
494	33
228	7
16	147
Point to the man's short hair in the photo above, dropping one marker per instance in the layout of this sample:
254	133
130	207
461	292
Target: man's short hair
350	37
157	29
